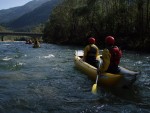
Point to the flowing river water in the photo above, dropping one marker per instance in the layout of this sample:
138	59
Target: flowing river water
45	80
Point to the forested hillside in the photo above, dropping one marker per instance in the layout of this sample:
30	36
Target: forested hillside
3	29
38	16
8	15
127	20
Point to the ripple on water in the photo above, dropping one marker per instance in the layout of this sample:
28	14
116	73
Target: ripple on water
44	80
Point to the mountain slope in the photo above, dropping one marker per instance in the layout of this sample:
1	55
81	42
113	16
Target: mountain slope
37	16
13	13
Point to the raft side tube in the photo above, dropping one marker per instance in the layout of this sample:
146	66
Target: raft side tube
125	71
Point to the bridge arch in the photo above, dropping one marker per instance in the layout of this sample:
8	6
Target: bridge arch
31	34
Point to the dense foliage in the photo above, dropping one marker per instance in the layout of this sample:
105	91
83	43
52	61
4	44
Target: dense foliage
3	29
73	21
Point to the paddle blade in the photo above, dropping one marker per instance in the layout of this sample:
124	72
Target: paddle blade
94	89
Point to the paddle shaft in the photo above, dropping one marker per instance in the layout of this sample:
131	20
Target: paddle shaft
97	72
94	88
96	79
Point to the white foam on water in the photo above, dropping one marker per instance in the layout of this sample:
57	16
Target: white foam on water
48	56
6	58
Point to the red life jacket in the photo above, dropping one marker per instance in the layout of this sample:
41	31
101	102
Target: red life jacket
116	54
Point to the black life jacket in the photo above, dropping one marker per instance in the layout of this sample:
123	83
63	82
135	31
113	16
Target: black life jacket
91	54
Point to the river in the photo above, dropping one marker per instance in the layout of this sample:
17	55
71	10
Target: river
45	80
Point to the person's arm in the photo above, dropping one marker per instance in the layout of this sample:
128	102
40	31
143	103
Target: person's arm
97	52
106	60
85	52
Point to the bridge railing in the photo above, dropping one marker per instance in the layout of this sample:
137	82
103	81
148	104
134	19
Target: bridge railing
21	34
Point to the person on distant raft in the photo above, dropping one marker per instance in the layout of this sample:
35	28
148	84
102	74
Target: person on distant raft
36	44
91	51
29	41
111	57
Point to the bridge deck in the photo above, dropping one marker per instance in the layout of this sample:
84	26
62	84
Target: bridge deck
32	34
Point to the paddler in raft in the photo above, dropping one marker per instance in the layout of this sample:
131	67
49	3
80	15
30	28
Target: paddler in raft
36	44
111	57
29	41
91	51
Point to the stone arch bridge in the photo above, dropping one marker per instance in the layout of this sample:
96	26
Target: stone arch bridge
31	34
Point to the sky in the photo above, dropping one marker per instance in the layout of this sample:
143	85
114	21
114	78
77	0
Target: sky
6	4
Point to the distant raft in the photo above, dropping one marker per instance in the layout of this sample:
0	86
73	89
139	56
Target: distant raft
125	77
36	44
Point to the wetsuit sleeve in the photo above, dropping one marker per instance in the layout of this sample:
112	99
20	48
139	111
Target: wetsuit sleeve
106	60
86	49
97	51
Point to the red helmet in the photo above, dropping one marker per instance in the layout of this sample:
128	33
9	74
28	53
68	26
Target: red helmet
91	40
110	40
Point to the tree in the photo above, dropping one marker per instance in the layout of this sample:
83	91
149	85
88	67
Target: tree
127	20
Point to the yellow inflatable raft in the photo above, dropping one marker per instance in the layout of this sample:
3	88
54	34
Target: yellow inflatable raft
106	79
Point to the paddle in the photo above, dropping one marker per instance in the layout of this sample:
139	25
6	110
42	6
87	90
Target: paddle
94	88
